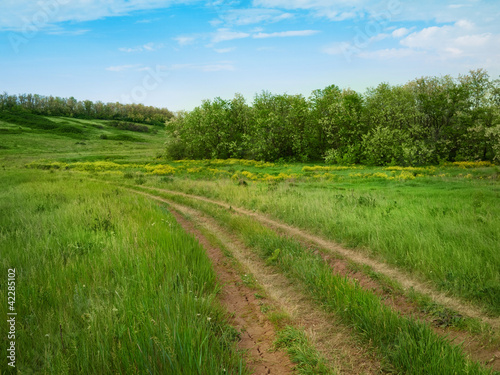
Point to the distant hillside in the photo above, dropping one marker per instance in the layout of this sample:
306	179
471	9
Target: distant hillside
39	136
86	109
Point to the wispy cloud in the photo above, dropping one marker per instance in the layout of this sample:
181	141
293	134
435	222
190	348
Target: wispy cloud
401	32
250	16
462	39
17	14
206	67
69	32
335	10
461	42
147	20
225	34
224	50
285	34
145	47
185	40
122	68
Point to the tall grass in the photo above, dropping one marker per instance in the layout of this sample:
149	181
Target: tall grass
107	282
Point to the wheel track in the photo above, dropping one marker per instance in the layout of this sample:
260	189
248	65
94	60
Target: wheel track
463	307
331	338
473	345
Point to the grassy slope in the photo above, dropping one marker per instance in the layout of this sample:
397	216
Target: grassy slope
20	144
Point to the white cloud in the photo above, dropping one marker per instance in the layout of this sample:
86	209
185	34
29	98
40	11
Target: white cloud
224	34
284	34
335	10
145	47
242	17
461	42
20	15
224	50
401	32
462	39
478	11
185	40
122	68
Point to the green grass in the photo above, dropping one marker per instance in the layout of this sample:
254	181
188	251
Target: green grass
407	346
308	360
442	229
441	224
27	137
107	282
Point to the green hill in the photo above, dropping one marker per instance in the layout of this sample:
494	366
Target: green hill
25	137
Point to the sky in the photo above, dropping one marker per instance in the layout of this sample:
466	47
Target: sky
177	53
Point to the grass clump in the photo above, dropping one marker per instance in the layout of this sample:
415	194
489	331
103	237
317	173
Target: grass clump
301	352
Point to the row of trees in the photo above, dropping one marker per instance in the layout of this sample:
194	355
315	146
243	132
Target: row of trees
426	121
70	107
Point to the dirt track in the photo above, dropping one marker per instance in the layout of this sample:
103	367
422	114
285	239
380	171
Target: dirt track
270	282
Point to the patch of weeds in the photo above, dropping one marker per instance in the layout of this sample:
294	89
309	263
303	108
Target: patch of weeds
230	335
367	201
274	257
249	280
167	179
307	359
443	317
279	319
140	180
259	296
128	175
448	318
102	223
265	308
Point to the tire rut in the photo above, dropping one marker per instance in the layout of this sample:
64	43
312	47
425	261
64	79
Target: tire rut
256	333
474	346
463	307
333	340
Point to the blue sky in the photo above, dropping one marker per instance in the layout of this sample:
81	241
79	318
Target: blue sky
175	53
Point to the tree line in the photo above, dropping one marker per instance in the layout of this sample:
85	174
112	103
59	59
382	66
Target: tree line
87	109
425	121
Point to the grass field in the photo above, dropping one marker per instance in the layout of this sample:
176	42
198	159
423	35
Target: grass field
439	223
108	282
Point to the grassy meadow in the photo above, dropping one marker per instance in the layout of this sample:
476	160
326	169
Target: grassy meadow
439	223
108	281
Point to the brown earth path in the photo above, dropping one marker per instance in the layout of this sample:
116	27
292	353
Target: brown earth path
464	308
333	340
256	332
